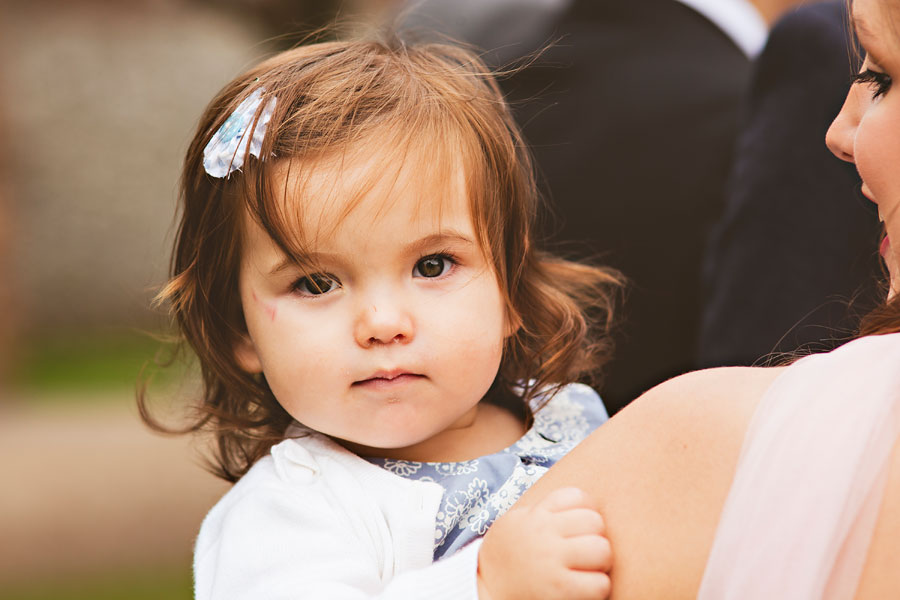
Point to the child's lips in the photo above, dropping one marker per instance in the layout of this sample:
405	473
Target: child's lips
388	379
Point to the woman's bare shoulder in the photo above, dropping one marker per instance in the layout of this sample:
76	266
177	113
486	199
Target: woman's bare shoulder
700	402
729	384
695	421
660	470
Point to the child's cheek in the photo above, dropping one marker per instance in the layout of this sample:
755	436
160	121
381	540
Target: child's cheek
269	307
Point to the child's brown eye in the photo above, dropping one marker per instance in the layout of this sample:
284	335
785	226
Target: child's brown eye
431	266
316	284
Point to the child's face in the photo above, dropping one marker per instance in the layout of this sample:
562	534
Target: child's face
399	335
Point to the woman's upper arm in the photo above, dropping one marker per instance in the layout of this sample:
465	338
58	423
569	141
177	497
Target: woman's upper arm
659	472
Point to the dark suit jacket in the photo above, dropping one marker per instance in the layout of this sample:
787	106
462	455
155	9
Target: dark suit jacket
632	116
796	240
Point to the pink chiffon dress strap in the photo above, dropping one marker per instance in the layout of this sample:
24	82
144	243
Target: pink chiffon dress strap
804	501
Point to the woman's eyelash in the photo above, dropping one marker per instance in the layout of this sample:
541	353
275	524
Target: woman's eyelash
881	81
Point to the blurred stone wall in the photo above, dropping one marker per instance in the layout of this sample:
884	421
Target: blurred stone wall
99	102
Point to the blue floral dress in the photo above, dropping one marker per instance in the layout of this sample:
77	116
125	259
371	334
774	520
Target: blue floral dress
478	491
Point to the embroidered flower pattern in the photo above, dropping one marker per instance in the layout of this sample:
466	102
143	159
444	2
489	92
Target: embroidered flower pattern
478	491
403	468
456	468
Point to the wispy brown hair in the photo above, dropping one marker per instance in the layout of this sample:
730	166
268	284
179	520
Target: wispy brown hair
331	96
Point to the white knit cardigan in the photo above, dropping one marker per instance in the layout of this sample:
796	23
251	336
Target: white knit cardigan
312	520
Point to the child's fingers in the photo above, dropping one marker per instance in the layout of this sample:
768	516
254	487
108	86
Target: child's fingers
588	553
564	499
587	585
579	521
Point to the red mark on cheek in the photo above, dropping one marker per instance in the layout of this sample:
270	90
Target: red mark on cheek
268	307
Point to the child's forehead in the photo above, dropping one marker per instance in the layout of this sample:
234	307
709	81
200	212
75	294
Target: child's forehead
365	184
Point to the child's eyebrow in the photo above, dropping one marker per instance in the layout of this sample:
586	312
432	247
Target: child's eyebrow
448	236
289	262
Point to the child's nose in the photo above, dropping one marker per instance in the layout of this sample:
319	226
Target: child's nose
383	319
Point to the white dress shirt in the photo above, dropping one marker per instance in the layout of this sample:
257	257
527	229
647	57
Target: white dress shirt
739	19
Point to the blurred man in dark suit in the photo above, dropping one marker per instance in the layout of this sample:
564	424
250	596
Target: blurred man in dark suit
796	240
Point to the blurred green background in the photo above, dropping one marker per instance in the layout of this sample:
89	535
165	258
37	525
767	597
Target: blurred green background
98	101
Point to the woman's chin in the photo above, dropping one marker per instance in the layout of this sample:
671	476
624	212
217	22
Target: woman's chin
893	266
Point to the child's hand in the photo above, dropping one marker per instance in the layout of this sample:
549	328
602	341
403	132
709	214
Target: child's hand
554	549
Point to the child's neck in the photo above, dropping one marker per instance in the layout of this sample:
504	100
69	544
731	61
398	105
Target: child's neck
491	430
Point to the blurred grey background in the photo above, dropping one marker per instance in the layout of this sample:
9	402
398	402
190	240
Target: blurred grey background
98	101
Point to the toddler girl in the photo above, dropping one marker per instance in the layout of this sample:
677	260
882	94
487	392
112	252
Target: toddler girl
387	359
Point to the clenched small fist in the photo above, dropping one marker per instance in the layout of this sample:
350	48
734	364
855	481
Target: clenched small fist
556	549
